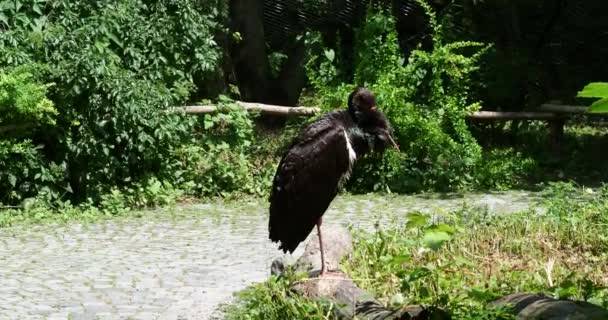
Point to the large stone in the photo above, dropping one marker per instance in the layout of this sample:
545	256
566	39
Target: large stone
530	306
337	244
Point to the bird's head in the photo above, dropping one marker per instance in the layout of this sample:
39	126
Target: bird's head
361	102
362	107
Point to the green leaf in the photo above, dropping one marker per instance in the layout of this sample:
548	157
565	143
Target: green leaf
594	90
330	55
36	8
435	239
401	259
3	18
12	180
207	124
419	273
114	38
416	220
600	106
443	228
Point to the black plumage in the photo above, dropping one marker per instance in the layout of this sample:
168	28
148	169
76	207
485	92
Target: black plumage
317	164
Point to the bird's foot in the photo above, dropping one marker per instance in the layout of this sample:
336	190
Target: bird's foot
329	274
323	271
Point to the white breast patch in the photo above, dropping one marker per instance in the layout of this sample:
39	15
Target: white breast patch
352	156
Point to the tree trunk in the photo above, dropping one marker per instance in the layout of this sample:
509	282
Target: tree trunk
292	78
252	68
249	54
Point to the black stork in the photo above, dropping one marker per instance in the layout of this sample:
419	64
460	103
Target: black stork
318	163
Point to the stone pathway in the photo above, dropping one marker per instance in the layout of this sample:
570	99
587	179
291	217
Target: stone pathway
177	264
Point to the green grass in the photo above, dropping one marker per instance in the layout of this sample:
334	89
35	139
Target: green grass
462	260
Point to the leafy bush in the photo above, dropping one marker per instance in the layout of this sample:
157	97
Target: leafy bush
23	106
502	169
23	98
25	173
222	162
426	100
116	67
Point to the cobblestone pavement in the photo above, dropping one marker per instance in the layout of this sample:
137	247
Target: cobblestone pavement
176	264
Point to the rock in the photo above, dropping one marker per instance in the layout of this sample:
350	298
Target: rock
279	265
538	306
337	243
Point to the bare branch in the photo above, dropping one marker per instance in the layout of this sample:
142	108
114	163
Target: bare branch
250	106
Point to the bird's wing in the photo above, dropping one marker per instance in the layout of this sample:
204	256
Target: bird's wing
306	181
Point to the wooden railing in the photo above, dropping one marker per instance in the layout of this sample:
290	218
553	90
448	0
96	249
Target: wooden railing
555	114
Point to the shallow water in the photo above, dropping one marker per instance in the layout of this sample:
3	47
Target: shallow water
177	264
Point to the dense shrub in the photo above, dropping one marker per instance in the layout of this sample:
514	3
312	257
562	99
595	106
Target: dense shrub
116	66
224	161
426	100
24	106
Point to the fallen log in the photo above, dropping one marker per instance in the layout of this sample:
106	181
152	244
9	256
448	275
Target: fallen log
349	300
252	107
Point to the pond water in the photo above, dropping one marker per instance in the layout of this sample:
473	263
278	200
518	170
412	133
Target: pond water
179	263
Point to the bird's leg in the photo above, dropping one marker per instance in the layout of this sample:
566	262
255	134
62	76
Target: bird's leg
321	246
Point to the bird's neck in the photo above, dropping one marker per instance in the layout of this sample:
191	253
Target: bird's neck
354	114
360	141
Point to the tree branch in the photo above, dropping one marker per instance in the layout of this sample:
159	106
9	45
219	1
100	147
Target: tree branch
13	127
250	106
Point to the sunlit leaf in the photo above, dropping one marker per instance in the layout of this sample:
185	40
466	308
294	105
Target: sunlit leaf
443	228
416	220
330	55
594	90
12	180
600	106
435	239
36	8
3	18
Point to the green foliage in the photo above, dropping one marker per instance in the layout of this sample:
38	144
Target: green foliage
426	100
462	260
25	174
116	67
272	300
23	106
23	98
596	90
502	169
224	161
519	155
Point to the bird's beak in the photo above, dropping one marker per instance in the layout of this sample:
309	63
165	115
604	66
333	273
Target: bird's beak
392	141
374	108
